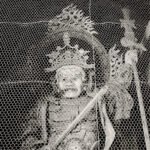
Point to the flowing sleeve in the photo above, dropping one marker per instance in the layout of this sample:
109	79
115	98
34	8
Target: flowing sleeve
35	133
118	104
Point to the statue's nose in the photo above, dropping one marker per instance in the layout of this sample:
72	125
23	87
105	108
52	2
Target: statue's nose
69	82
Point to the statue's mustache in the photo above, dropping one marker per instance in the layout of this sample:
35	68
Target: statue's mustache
70	88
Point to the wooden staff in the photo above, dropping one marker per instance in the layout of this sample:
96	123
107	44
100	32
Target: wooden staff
85	111
142	111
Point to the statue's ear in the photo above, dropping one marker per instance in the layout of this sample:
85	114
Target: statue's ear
91	82
55	86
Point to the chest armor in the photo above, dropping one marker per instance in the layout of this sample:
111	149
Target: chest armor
63	111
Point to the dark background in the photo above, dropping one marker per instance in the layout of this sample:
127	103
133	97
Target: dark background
24	23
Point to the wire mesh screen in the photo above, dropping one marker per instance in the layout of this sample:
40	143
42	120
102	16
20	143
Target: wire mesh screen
36	111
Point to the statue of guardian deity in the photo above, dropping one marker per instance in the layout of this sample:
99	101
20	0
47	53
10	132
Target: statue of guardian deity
73	82
70	64
69	118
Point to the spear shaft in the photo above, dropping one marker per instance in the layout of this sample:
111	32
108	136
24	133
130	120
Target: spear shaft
141	105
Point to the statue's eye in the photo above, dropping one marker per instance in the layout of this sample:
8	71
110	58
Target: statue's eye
64	79
74	79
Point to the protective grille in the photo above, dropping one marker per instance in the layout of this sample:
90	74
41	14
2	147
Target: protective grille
24	83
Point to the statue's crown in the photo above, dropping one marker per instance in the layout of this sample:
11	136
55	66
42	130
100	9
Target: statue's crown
73	19
68	55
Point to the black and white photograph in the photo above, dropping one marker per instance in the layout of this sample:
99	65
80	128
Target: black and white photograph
75	75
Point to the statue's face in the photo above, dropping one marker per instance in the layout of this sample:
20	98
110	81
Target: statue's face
70	81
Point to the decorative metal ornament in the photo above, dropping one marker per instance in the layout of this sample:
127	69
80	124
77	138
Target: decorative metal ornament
73	18
116	61
129	40
72	23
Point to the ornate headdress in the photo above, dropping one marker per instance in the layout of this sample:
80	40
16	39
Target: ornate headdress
72	23
68	55
70	19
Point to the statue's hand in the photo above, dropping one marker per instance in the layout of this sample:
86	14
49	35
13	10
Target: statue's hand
45	147
131	57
